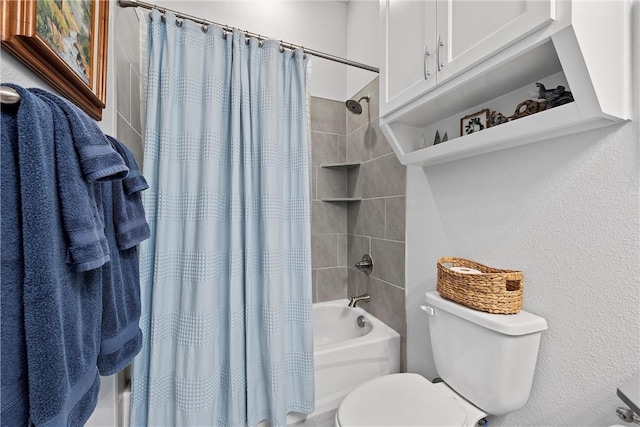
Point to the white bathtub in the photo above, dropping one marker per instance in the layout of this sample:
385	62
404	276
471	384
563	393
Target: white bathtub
347	355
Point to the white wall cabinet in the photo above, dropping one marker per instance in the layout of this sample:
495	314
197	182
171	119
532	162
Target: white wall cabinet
427	42
490	57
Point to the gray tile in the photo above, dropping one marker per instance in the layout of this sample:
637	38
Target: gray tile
332	283
131	139
328	218
314	284
355	121
367	218
374	105
328	115
342	249
354	188
356	247
342	148
382	177
332	182
387	304
135	102
356	282
323	250
388	257
403	353
313	170
324	148
358	145
128	34
395	218
379	144
123	84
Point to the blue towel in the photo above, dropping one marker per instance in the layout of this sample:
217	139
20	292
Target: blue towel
15	405
82	220
126	227
98	160
59	337
121	306
131	227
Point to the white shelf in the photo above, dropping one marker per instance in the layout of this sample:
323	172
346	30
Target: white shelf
518	132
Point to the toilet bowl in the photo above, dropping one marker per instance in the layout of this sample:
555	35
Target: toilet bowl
486	363
406	400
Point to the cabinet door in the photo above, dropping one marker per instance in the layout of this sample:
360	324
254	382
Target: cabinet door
472	30
408	50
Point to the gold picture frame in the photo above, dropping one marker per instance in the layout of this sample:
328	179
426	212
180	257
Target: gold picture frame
65	43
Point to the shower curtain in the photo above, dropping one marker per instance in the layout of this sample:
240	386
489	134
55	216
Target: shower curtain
226	275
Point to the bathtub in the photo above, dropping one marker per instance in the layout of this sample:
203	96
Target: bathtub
347	355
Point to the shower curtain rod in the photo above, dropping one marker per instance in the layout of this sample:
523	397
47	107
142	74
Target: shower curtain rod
149	6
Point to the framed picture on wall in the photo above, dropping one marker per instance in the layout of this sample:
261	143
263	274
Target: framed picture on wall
474	122
65	43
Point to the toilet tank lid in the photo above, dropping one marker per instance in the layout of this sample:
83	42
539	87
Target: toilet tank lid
522	323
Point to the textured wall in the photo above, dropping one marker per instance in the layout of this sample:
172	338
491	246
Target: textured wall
565	211
127	62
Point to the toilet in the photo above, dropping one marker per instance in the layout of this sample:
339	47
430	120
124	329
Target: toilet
485	364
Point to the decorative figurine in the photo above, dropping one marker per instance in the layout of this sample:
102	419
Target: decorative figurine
554	97
496	119
437	140
526	108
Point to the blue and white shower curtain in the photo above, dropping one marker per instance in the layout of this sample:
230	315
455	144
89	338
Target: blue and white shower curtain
226	275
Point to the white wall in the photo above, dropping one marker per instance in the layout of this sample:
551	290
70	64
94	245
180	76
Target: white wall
363	43
318	25
566	212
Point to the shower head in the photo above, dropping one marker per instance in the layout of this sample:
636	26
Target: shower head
354	106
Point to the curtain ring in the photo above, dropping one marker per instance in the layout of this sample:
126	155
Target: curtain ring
224	35
260	41
204	28
163	18
178	22
281	49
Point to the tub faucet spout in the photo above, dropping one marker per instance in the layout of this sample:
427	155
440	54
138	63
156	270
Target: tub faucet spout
360	298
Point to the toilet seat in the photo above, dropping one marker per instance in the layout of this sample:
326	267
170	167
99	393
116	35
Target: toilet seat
400	400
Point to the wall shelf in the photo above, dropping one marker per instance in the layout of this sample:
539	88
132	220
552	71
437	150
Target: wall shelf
341	199
340	165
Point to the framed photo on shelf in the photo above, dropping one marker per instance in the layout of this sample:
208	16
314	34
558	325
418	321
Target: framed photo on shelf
474	122
65	43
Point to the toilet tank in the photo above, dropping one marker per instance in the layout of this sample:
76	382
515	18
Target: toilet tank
489	359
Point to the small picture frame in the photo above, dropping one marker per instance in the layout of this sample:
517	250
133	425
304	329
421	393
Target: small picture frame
474	122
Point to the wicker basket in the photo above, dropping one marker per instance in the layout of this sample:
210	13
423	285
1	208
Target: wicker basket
493	291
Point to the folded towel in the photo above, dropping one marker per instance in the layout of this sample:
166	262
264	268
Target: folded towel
130	224
121	335
81	218
98	160
61	307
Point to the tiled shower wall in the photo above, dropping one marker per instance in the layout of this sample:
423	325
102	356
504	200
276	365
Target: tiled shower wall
374	225
127	58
